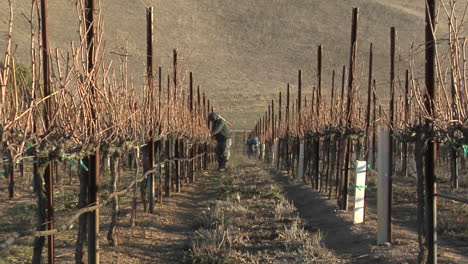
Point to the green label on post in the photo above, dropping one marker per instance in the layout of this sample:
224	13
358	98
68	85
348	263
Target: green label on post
83	165
1	175
360	187
465	150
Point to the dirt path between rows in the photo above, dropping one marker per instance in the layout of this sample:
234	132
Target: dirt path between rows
355	243
165	236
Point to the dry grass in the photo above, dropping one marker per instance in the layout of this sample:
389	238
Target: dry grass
254	224
308	245
284	209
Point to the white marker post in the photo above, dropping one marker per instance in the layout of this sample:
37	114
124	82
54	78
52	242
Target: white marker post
359	195
300	168
382	187
262	151
275	151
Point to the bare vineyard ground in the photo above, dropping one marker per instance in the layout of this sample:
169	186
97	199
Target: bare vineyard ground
159	238
357	243
254	203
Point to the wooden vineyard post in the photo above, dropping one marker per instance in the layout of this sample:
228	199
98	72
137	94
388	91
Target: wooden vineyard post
93	160
149	71
160	158
294	142
260	134
174	58
167	167
431	152
48	172
349	113
265	135
93	198
273	137
205	145
316	143
275	152
287	154
159	97
177	164
183	164
406	119
307	155
173	164
169	141
374	126
454	181
329	150
270	129
392	123
263	144
260	138
297	151
267	128
368	121
340	138
159	154
192	149
383	235
208	144
199	146
279	141
299	98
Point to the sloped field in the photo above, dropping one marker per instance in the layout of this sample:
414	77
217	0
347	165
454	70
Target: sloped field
243	52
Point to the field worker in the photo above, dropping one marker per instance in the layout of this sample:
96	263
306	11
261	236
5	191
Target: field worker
221	133
252	146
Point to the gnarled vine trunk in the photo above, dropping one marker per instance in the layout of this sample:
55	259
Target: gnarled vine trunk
83	220
115	173
38	183
419	157
144	184
8	167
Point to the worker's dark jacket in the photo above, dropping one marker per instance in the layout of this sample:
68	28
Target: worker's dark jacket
220	130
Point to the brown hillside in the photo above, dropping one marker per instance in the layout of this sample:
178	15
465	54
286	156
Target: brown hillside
242	52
